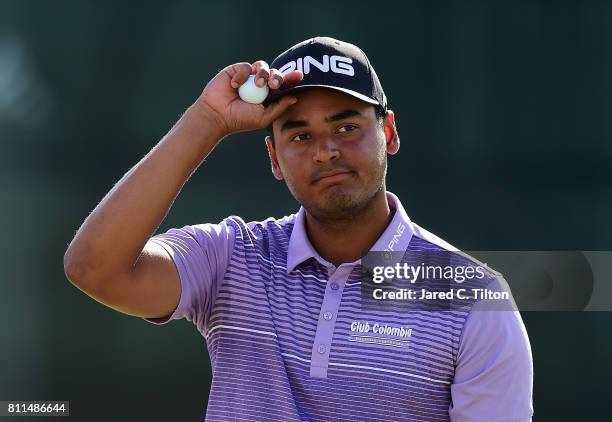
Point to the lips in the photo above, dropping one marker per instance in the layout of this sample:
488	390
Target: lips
329	175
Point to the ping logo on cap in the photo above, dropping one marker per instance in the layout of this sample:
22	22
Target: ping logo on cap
335	64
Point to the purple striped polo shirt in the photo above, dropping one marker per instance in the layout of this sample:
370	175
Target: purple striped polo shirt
286	333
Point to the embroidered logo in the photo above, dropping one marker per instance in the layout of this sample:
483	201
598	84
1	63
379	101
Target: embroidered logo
380	333
334	64
399	232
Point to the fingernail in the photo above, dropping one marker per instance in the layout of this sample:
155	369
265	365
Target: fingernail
261	81
275	83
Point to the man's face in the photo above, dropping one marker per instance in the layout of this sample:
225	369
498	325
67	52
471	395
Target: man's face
331	151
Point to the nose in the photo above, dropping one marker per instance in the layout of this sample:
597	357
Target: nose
325	150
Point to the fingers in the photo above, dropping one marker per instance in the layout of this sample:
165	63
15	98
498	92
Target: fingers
292	78
277	108
239	73
261	70
276	79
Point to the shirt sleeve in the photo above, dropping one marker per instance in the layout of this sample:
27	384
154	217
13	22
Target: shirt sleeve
201	254
494	368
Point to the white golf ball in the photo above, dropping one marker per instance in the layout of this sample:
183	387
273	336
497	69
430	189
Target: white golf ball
251	93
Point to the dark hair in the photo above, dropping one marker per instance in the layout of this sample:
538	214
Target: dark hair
380	115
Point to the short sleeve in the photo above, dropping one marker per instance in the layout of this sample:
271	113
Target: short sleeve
494	368
201	254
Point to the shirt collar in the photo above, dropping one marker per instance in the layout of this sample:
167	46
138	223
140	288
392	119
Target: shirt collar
396	236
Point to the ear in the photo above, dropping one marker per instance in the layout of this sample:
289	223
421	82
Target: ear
276	170
391	135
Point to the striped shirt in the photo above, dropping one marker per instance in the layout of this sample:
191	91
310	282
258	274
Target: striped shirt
289	340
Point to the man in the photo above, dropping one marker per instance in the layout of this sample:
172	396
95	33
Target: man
279	301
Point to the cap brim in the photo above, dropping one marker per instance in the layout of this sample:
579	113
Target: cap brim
275	95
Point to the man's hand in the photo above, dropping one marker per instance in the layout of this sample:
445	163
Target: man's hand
220	96
111	258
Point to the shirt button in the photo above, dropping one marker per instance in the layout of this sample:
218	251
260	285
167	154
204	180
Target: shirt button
327	315
321	348
334	286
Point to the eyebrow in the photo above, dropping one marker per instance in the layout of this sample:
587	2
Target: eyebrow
291	124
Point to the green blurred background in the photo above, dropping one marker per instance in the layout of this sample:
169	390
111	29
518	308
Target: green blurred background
503	109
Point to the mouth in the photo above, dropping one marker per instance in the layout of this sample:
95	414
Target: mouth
332	176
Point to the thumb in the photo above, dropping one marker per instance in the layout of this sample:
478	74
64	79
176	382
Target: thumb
277	108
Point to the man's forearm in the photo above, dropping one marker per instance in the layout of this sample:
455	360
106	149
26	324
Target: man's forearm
115	233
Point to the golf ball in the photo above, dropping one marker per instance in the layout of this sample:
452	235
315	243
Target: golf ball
251	93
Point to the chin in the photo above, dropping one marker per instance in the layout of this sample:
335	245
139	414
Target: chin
338	203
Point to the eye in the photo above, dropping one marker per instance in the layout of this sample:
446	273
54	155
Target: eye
300	137
347	128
